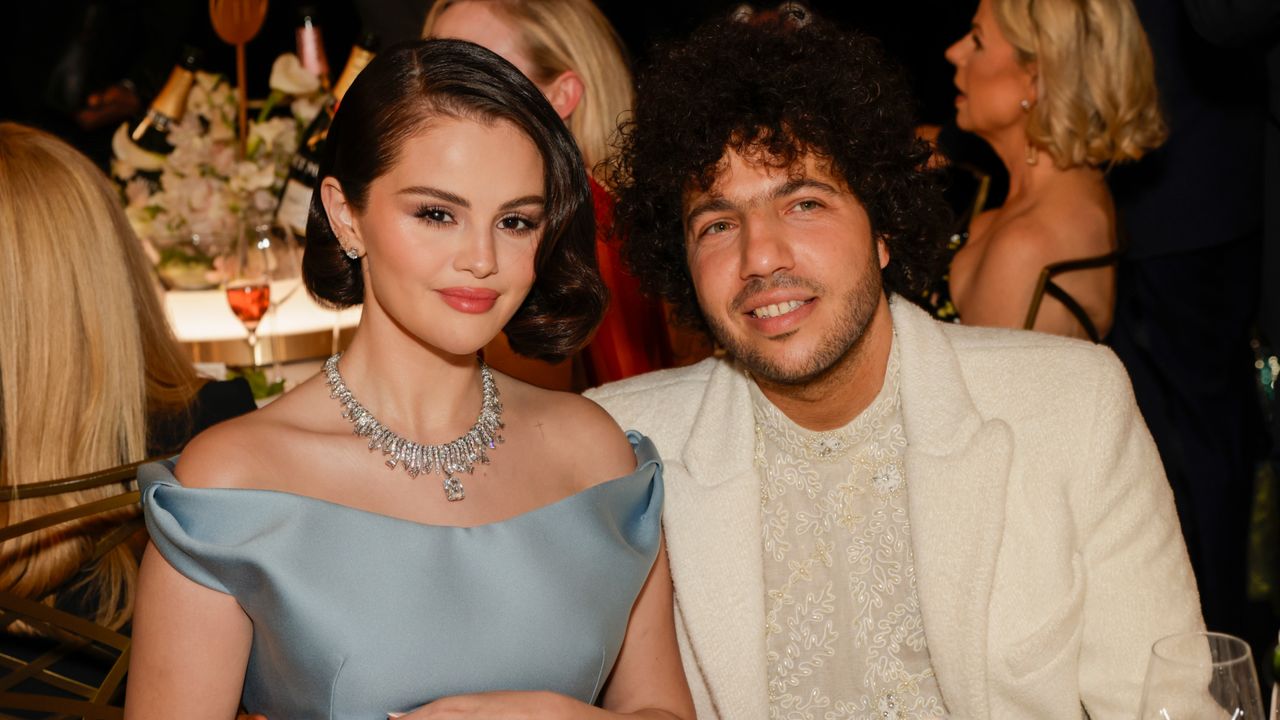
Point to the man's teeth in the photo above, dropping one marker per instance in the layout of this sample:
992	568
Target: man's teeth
775	310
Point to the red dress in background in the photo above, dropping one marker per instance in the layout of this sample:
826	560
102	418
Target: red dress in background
632	338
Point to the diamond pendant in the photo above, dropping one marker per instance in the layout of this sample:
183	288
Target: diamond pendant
453	488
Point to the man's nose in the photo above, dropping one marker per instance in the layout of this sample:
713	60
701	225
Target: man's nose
766	247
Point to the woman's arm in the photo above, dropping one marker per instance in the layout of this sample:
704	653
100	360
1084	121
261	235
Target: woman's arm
647	680
190	647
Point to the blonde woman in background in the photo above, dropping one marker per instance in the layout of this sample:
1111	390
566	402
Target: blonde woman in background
1060	89
90	374
571	52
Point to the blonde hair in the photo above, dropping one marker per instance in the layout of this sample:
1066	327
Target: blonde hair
560	35
1096	80
85	354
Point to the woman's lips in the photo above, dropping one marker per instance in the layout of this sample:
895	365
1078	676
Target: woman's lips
469	300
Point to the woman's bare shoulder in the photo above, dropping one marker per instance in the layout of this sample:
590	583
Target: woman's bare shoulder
242	451
593	446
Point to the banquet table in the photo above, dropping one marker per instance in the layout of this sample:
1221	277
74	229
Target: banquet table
296	329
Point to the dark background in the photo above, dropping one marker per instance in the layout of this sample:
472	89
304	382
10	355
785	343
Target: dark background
56	53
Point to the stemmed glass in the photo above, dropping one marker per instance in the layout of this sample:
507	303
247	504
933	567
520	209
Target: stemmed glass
1200	676
283	258
248	285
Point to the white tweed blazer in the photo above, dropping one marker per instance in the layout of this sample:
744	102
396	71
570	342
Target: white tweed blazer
1048	555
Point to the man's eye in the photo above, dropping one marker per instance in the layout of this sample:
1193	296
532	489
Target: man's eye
716	228
807	205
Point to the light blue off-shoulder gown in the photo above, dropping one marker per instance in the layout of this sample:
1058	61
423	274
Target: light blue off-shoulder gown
356	614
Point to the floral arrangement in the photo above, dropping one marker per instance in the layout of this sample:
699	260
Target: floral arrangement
204	188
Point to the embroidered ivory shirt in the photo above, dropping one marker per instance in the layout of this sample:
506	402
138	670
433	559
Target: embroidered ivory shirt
843	628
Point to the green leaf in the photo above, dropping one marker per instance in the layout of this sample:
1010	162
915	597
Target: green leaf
258	382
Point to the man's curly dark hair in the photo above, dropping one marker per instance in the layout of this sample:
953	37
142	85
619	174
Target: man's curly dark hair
776	89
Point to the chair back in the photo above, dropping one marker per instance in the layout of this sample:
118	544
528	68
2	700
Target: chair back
73	667
1046	286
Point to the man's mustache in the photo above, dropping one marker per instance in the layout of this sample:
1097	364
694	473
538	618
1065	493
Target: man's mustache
777	281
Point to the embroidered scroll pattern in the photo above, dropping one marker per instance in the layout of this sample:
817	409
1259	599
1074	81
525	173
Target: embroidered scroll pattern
844	634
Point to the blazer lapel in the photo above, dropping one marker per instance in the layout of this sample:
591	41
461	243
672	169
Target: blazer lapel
712	522
957	468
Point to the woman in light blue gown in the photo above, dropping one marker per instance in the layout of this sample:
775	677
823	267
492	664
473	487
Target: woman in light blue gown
409	531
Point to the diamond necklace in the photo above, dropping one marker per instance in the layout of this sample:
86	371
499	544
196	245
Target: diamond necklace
450	459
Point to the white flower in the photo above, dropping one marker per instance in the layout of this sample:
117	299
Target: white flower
263	201
131	157
272	132
291	78
222	159
306	109
206	81
205	187
251	176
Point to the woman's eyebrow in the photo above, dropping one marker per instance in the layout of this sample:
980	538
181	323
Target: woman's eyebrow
522	201
436	193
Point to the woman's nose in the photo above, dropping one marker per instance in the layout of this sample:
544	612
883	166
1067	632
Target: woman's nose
478	255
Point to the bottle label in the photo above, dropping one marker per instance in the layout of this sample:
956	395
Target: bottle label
360	57
295	206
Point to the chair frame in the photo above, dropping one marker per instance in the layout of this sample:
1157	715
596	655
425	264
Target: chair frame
70	632
1046	285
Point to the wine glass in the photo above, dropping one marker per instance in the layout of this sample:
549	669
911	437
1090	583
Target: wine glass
248	286
1200	676
283	258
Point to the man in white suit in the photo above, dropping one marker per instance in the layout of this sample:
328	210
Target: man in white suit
870	513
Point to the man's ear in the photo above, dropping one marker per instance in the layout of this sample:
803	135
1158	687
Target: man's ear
882	249
565	93
339	212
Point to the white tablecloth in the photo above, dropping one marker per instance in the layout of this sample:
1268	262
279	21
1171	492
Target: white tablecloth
204	315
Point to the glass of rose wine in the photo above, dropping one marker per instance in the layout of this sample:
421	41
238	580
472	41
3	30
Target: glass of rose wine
248	286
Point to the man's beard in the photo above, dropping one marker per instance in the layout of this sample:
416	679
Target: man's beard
858	306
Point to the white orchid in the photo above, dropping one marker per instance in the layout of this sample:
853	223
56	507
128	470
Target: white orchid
290	78
305	109
130	157
273	133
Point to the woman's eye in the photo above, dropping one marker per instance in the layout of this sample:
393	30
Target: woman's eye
435	215
977	42
518	224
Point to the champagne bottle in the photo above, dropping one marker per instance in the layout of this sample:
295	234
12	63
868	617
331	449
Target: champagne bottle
304	168
311	45
152	132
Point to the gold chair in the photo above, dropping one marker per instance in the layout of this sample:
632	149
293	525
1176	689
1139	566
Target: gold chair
76	668
1046	285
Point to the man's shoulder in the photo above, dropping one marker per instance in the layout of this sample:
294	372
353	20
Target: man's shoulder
1019	371
672	382
1027	352
661	402
1010	353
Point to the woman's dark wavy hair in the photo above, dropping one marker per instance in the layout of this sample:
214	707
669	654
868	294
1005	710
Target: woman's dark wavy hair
779	89
391	101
